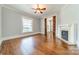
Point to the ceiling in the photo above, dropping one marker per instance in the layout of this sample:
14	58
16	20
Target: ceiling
27	8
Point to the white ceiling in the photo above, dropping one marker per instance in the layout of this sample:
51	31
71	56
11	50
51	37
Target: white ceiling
50	9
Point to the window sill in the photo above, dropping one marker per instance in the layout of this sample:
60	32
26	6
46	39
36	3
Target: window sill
27	32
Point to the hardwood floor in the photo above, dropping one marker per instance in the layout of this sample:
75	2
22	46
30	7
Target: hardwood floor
37	45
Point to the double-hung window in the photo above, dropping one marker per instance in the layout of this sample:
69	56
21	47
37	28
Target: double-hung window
27	25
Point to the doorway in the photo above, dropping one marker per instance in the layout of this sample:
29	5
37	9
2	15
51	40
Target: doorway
50	26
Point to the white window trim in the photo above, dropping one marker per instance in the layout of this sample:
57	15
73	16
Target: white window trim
23	27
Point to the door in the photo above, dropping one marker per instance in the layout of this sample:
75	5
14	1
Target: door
54	25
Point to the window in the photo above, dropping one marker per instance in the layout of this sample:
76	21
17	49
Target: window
27	25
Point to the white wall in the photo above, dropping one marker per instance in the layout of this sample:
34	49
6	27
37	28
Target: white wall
36	25
12	23
0	22
70	15
42	26
0	25
57	14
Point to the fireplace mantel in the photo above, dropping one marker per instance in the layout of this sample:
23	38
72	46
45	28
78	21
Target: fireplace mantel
71	28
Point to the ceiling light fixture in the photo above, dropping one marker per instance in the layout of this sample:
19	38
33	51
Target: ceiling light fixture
39	9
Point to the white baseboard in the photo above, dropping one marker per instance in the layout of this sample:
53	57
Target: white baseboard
67	42
18	36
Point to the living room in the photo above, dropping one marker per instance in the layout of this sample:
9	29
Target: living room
20	22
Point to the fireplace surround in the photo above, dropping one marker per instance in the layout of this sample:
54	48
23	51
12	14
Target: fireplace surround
67	33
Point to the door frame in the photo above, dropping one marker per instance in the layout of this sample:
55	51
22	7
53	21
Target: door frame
54	25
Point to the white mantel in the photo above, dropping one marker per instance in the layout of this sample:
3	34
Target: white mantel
72	33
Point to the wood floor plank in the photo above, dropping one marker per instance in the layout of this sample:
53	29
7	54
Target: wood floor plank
37	45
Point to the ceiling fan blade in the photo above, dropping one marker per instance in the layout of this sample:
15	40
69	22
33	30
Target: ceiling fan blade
43	9
36	8
35	12
41	12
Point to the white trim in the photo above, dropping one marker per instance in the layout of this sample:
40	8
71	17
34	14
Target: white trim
69	43
17	36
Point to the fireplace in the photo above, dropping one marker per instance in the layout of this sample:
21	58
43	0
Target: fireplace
68	33
64	35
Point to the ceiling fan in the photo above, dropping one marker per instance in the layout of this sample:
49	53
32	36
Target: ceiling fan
38	9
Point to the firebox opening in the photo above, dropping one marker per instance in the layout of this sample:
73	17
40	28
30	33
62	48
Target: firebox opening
64	35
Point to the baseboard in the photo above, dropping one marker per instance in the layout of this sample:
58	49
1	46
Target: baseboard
69	43
18	36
